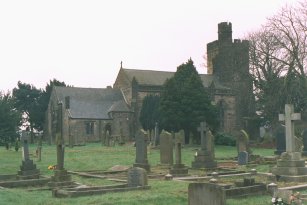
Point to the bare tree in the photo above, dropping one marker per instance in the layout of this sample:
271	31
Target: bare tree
278	58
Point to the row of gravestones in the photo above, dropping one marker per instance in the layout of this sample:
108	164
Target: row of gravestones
204	157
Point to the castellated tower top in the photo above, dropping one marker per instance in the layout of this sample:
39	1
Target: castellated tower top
225	32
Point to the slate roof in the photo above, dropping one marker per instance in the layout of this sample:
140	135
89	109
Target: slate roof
91	103
148	77
157	78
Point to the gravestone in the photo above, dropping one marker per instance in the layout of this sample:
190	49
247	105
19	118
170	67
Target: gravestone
304	134
291	167
141	150
166	148
204	158
242	142
280	140
157	136
242	158
206	194
178	168
137	177
61	176
28	169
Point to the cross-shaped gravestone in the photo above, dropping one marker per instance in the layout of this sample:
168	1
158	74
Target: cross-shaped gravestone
59	139
289	117
202	130
25	146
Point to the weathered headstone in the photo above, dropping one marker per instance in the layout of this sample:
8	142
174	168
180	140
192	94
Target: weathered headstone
204	158
28	169
137	177
141	151
291	167
280	140
243	158
242	141
61	176
166	148
206	194
178	168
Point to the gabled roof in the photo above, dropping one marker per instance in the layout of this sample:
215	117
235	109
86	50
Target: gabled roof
157	78
90	103
148	77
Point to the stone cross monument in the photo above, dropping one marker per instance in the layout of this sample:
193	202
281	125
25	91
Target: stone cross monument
28	169
204	158
61	176
291	167
289	117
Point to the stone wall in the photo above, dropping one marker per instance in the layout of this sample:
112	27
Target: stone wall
229	115
121	125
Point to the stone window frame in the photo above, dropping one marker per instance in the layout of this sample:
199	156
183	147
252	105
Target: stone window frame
89	128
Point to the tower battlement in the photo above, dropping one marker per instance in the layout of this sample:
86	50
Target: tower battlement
225	31
239	41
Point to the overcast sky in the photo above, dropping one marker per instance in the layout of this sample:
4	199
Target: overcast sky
83	42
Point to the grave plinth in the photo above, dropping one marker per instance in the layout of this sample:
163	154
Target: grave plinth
204	158
28	169
291	166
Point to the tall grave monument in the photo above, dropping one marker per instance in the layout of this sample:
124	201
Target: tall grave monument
61	176
178	169
141	159
166	148
204	158
291	167
28	169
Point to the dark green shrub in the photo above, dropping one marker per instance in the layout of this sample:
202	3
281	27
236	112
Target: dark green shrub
224	139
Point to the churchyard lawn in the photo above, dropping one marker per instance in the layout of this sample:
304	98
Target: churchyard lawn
97	157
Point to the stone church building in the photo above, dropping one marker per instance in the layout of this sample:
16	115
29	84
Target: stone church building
93	114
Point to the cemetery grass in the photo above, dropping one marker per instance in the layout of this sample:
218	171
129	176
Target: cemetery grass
96	157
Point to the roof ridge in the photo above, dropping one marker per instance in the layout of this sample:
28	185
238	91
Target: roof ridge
148	70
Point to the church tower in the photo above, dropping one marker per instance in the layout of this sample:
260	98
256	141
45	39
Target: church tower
228	60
